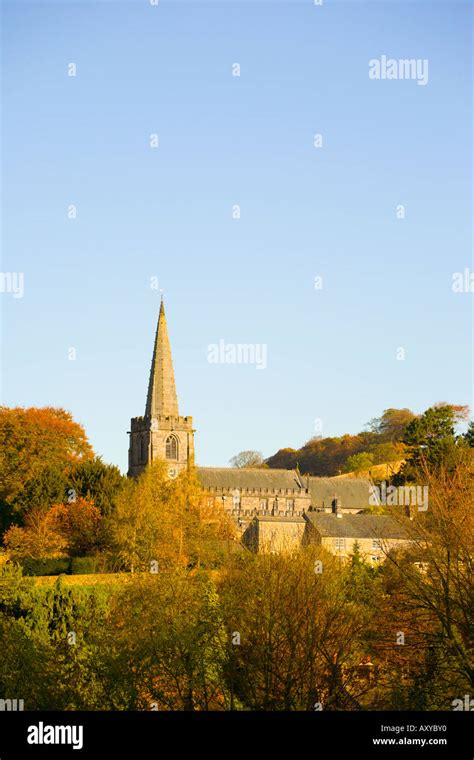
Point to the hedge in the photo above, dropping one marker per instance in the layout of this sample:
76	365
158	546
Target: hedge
46	566
83	565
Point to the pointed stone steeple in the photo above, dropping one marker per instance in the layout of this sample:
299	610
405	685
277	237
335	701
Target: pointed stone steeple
161	433
162	398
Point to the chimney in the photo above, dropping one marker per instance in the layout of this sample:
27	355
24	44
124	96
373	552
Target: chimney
336	507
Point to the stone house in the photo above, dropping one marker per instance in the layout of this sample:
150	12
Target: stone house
338	533
274	534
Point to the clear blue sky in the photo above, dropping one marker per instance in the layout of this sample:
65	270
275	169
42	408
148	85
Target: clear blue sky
166	212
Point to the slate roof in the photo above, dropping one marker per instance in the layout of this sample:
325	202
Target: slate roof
353	493
247	477
356	526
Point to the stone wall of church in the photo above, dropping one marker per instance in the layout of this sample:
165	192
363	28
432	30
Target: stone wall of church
148	442
246	503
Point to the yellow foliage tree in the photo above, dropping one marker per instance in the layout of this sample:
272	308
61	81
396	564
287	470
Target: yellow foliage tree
158	520
39	539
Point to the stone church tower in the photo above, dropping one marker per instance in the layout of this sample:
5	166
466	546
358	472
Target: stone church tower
161	433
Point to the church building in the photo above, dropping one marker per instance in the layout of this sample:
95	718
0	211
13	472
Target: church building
245	493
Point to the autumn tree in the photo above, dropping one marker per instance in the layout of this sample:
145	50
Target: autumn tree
163	520
391	425
248	459
285	459
432	579
79	522
38	448
298	629
38	539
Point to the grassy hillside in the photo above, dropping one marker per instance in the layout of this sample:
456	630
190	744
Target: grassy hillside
376	472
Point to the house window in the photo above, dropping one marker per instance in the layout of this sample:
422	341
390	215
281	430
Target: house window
376	544
339	544
172	447
264	504
290	505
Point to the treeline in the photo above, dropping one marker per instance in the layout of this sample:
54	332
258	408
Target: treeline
196	622
256	632
387	439
63	510
326	457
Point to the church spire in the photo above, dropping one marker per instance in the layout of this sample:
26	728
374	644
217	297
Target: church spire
162	398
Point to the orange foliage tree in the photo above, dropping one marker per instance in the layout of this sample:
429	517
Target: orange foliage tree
66	529
80	523
38	448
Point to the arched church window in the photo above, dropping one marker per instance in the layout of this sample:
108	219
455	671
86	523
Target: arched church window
172	447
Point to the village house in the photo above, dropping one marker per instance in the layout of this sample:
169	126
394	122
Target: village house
375	535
